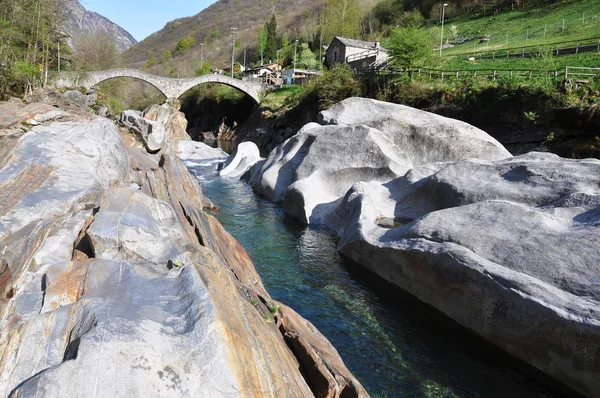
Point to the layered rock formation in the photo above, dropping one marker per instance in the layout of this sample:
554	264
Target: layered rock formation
115	282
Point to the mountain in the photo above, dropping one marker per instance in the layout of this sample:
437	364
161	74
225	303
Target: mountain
297	18
81	22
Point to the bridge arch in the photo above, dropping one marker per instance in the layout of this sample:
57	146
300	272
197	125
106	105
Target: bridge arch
171	87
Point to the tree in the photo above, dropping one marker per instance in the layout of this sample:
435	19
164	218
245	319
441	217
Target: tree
216	34
184	45
409	45
261	44
341	18
306	58
204	69
95	52
164	56
272	44
387	11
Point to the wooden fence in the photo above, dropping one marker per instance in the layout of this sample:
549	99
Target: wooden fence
570	72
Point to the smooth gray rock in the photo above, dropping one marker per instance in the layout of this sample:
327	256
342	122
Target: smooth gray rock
362	140
80	99
425	137
245	156
508	249
152	133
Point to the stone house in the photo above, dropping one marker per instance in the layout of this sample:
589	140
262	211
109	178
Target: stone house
360	55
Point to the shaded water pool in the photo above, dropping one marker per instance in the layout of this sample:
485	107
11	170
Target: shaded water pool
395	349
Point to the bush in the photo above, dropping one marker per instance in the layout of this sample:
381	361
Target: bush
332	86
185	44
408	46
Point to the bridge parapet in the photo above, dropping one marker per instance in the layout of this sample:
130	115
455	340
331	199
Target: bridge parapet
171	87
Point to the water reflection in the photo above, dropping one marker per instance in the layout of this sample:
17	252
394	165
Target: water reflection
404	350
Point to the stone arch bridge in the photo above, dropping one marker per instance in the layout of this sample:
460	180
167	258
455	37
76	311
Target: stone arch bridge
172	88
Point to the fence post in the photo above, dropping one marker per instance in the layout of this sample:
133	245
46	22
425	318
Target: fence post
511	74
566	73
577	49
507	53
456	74
598	45
494	74
442	75
530	74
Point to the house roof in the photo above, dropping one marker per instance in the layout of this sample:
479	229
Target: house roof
367	45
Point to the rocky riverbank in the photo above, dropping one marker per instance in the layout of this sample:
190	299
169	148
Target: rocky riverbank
505	246
115	282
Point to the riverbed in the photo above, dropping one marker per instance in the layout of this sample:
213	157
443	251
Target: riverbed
397	348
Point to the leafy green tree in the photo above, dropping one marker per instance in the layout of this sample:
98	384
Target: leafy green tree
306	58
150	63
261	44
216	34
184	45
387	11
272	45
285	40
204	69
411	19
341	18
164	56
407	46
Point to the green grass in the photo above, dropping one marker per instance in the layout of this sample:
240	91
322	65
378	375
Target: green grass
288	95
589	59
526	27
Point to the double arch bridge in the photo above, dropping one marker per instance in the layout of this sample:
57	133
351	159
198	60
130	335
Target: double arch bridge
172	88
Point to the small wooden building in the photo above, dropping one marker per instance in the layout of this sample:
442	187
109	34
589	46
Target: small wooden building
358	54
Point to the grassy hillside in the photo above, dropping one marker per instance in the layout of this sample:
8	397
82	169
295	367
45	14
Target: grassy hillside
212	27
533	27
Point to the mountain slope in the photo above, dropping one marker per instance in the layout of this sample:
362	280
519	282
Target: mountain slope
297	18
81	22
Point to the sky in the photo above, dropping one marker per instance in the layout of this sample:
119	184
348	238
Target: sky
141	18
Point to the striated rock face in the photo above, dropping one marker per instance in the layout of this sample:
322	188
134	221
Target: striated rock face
80	22
362	140
174	121
114	282
508	249
152	133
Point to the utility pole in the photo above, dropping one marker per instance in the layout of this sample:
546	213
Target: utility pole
233	32
442	32
59	56
295	59
245	59
201	56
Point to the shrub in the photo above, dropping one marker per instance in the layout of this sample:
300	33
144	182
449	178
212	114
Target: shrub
185	44
333	86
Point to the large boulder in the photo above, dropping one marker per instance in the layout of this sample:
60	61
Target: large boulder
174	121
152	133
425	137
241	160
508	249
362	140
83	100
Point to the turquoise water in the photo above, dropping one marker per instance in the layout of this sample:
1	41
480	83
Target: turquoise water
399	349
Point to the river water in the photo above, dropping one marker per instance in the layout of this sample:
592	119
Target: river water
395	349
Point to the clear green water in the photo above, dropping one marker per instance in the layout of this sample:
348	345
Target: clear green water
396	350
